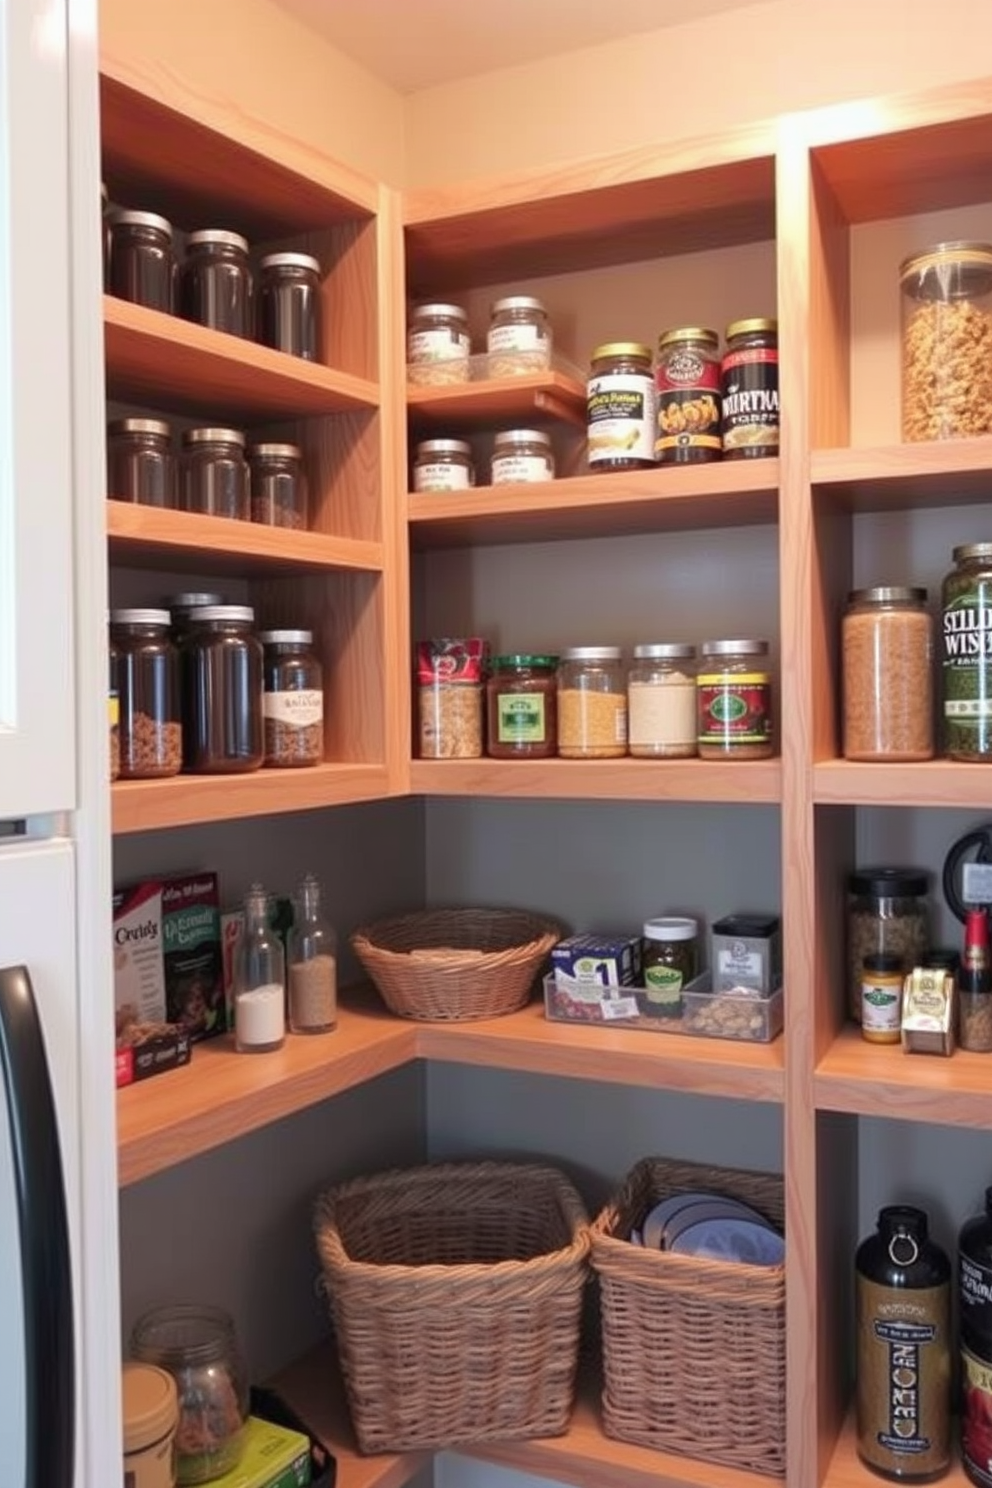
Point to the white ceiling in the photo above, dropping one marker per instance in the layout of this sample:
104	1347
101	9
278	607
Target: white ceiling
413	44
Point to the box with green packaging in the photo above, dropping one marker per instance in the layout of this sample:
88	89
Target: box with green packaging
274	1457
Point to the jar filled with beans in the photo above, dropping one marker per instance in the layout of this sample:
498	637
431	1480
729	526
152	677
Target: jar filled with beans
888	675
947	341
592	703
147	685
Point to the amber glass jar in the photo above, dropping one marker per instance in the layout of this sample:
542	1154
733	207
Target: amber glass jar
142	262
438	345
521	707
215	473
688	382
289	304
519	337
293	699
216	281
947	341
278	485
141	466
147	687
734	699
592	703
222	692
620	407
749	413
888	675
443	465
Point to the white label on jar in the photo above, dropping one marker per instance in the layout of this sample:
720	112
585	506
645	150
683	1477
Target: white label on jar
521	470
297	709
880	1007
442	477
621	409
517	337
260	1015
437	346
663	713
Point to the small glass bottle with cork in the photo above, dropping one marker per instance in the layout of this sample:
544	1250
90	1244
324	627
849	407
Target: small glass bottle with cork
312	964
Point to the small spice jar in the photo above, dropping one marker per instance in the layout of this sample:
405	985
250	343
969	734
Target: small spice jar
141	466
142	262
150	1416
946	304
966	655
749	415
519	337
450	678
621	406
312	958
661	702
278	485
522	707
222	692
887	644
522	456
216	281
215	473
438	345
670	961
443	465
687	375
881	998
147	685
293	699
734	700
887	914
592	703
289	304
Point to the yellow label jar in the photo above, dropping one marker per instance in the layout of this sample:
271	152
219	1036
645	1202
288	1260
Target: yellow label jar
881	998
733	693
150	1411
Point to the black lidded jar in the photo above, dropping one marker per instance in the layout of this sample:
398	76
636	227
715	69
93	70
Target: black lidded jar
222	692
903	1349
975	1316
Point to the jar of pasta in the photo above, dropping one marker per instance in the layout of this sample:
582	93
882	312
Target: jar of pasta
661	702
519	337
437	345
592	703
450	679
734	698
947	341
522	707
687	375
887	640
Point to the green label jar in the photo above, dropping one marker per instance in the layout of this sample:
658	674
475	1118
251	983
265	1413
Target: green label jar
521	707
670	962
966	673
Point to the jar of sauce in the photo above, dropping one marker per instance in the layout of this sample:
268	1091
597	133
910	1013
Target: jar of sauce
147	687
437	346
881	998
519	337
443	465
522	456
887	644
592	704
141	466
293	699
142	262
688	382
734	701
749	390
670	961
216	281
278	485
215	473
289	304
222	692
521	707
661	702
620	407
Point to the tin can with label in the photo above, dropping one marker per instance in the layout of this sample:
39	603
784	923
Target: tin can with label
975	1312
687	376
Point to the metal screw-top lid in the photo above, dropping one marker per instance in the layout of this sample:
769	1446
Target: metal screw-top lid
970	551
121	217
734	648
443	447
665	651
591	653
510	438
286	637
275	452
518	302
688	333
140	426
621	349
751	327
139	617
290	261
207	236
888	594
223	612
193	600
214	436
448	312
888	883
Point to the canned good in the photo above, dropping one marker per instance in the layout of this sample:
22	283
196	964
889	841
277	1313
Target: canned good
749	414
887	647
141	466
438	345
142	262
222	692
292	699
147	685
216	281
947	341
215	473
450	678
620	407
519	337
522	707
289	304
661	702
688	381
592	704
443	465
522	456
278	485
966	654
734	700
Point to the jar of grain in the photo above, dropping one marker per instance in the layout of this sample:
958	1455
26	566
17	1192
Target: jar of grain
966	670
592	704
661	702
519	337
292	699
887	642
687	375
438	345
887	914
947	341
522	456
147	687
443	465
312	955
450	678
522	707
734	701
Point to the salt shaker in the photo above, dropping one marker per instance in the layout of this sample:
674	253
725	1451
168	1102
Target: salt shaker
259	981
312	965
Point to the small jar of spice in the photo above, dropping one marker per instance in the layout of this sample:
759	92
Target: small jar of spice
521	707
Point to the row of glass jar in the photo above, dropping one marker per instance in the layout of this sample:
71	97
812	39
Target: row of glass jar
216	473
199	690
583	705
439	347
520	457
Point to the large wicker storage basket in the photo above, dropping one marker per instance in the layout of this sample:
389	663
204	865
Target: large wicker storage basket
693	1350
456	1293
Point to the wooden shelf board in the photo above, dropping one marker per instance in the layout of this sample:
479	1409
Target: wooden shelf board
170	363
865	1079
899	477
185	800
930	783
498	398
846	1470
731	494
744	782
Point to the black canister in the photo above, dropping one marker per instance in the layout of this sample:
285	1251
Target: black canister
975	1304
222	692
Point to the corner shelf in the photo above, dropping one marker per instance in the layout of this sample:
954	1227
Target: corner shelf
864	1079
550	394
743	782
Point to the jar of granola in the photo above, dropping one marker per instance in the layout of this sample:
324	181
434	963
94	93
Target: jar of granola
661	702
437	345
592	704
292	699
734	698
519	337
947	341
147	687
687	375
450	679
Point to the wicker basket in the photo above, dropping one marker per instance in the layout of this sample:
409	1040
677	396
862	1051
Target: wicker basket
693	1350
456	1293
453	965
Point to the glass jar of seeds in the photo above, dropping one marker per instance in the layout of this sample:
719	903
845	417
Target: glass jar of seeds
592	703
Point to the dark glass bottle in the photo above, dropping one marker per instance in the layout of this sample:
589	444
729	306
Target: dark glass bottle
975	986
975	1311
222	692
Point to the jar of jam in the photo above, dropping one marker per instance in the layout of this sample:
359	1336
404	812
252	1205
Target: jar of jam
222	692
215	473
522	456
670	961
438	346
216	281
592	704
661	702
293	699
443	465
289	304
147	685
620	407
688	381
521	707
749	390
141	466
278	485
734	700
142	262
519	337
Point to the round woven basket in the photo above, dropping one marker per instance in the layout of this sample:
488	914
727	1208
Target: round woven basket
454	965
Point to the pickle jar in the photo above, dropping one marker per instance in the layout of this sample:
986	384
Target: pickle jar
438	345
687	375
734	700
887	645
887	914
222	692
966	659
519	337
522	707
450	683
443	465
522	456
142	261
215	473
293	699
278	485
216	281
289	304
592	703
141	466
749	414
661	701
147	685
946	304
620	408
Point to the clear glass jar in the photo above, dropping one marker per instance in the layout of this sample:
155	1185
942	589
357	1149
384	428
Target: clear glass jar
687	376
278	485
313	950
887	644
670	961
215	473
222	692
216	281
661	702
522	456
147	685
259	980
734	700
946	305
749	411
141	465
142	261
289	304
443	465
293	699
199	1347
620	407
592	703
522	707
149	1420
887	914
438	346
519	337
966	655
450	679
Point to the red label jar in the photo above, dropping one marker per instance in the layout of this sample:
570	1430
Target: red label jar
734	698
687	377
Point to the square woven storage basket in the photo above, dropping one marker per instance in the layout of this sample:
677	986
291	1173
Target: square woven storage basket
456	1293
693	1350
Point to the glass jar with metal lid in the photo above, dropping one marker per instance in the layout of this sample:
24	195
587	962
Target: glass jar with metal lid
620	407
147	685
661	701
181	606
278	485
222	692
688	382
592	703
966	654
887	914
749	414
947	341
522	456
522	707
293	698
141	465
289	304
519	337
216	281
443	465
215	473
887	644
734	700
142	261
438	345
670	961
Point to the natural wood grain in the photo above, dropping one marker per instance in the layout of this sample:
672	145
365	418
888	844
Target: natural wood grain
828	332
846	1470
742	782
341	453
880	1080
474	404
899	477
931	783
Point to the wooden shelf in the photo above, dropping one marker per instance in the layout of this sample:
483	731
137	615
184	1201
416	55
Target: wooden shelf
736	493
185	800
547	395
846	1470
744	782
930	783
898	477
865	1079
172	364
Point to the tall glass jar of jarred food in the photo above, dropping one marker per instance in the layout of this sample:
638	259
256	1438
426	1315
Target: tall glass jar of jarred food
947	341
734	700
592	703
292	700
289	304
522	707
661	702
215	473
142	261
450	680
749	390
887	914
887	647
141	466
688	382
519	337
620	407
216	281
222	692
966	655
147	686
437	345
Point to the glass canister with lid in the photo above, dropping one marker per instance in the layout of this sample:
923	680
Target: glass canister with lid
215	473
621	405
522	456
592	703
966	655
519	337
522	707
451	674
278	485
734	700
887	914
443	465
216	281
293	699
947	341
688	380
289	304
142	260
222	692
887	644
141	466
670	962
147	686
661	701
438	345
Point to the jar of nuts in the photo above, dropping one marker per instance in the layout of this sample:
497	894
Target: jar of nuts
947	341
592	704
147	685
